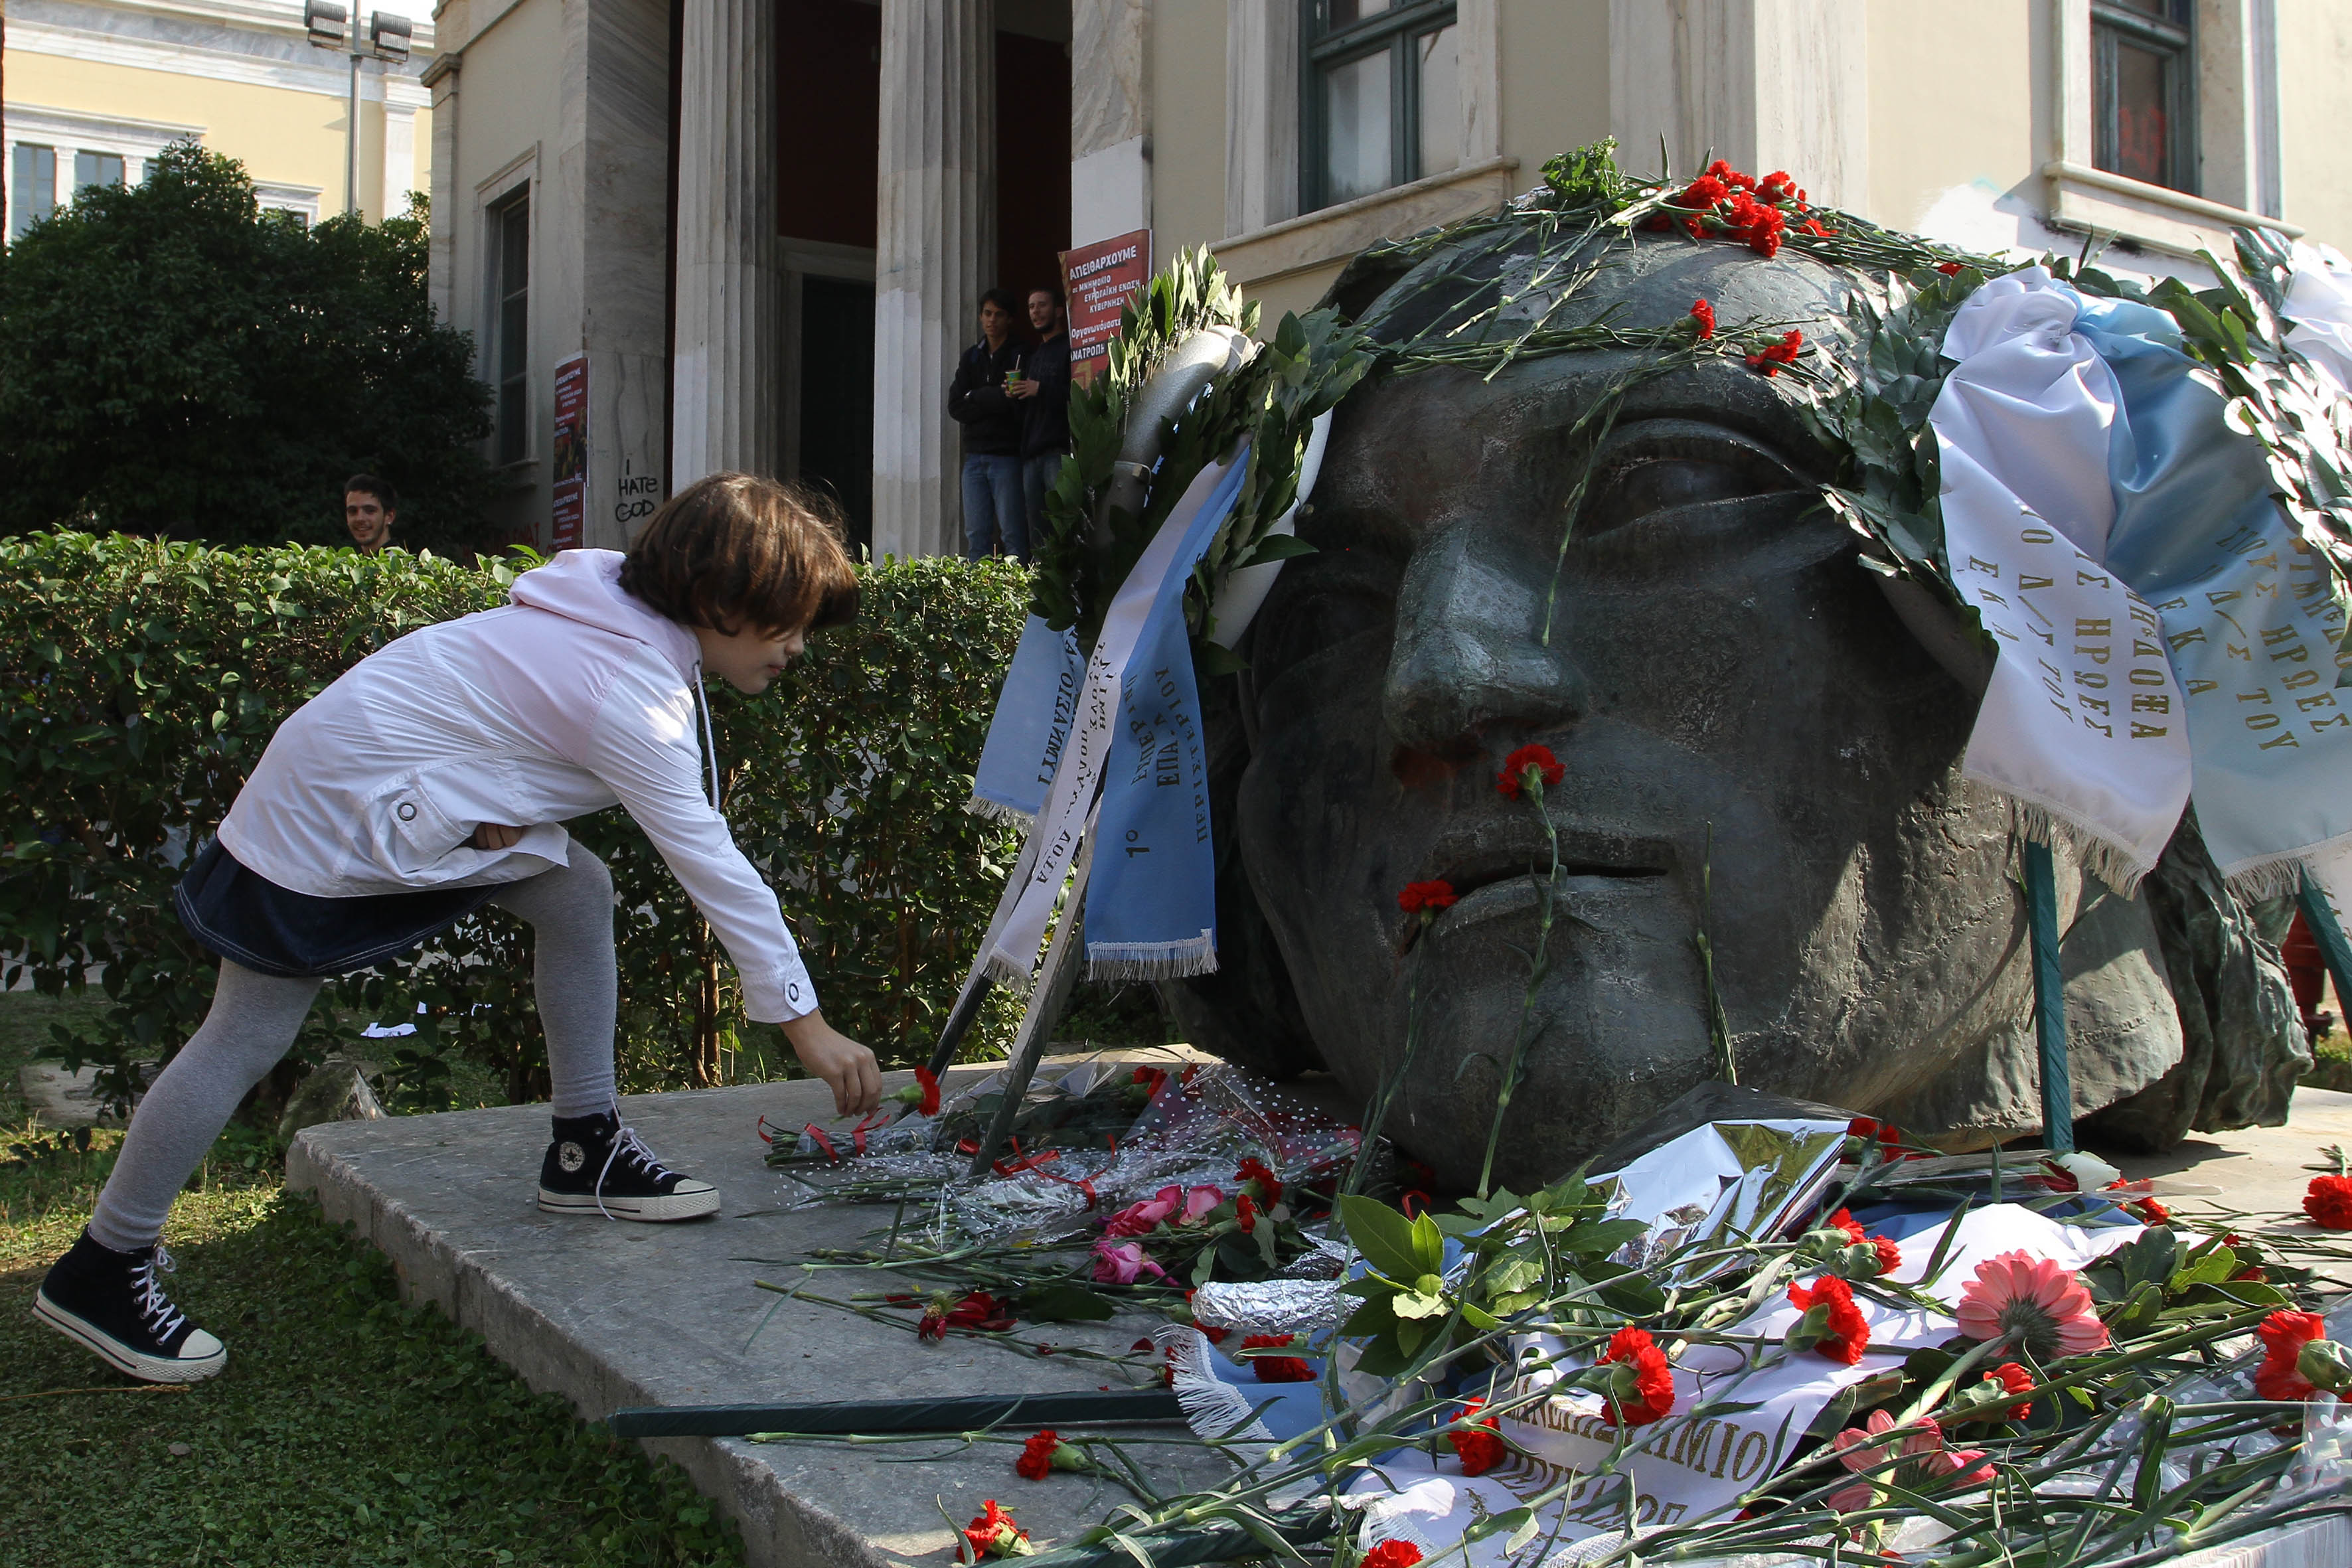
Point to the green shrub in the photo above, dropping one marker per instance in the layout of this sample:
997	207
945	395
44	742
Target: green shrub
141	680
175	360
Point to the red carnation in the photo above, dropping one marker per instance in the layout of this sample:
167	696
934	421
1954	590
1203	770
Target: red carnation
1477	1448
1840	1334
1948	269
1425	898
1256	1172
996	1534
1843	1220
1276	1368
1537	760
2017	1380
1703	192
1651	1395
1703	312
1776	186
1036	1460
1783	353
929	1104
1812	226
2299	1361
1888	1137
2329	1202
1392	1554
1245	1213
977	1310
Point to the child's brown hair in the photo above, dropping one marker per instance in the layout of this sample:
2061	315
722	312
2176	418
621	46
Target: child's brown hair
734	551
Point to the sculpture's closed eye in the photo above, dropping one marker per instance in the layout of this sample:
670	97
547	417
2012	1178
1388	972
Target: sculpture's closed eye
1663	466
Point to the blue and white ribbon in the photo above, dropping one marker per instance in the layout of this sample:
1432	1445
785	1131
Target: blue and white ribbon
2166	633
1138	701
1033	709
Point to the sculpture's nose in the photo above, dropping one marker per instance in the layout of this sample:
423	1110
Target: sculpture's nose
1469	655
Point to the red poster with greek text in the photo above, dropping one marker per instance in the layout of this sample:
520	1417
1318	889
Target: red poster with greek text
1099	279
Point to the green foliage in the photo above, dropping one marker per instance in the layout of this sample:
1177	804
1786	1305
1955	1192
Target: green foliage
1312	363
174	361
1874	409
141	680
1518	1254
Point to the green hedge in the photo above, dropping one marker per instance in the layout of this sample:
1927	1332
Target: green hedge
139	682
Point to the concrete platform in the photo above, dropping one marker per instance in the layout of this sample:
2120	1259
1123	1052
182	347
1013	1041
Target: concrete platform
610	1315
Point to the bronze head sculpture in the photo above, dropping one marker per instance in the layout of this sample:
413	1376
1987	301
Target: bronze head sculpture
1758	751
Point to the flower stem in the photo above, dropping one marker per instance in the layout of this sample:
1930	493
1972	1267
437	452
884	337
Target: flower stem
1538	965
1379	1112
1718	1027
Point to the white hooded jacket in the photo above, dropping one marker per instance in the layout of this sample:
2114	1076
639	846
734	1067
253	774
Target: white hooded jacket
573	698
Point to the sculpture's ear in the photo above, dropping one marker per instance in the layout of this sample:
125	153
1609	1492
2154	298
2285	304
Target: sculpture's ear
1246	1012
1936	626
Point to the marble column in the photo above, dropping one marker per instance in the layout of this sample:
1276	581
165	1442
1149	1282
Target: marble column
935	248
728	341
1765	84
1110	117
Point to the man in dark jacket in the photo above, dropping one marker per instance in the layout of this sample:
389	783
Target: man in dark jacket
1044	393
993	506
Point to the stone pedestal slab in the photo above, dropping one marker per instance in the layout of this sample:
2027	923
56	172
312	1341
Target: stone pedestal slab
609	1314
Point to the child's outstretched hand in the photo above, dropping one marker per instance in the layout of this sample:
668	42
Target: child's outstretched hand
841	1061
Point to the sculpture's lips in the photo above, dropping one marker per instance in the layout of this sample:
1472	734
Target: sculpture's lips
1497	874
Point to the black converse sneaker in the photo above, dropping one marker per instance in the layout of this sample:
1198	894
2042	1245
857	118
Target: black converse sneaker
107	1302
595	1165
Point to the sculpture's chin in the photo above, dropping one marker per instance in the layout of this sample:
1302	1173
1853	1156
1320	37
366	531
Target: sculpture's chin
1616	1029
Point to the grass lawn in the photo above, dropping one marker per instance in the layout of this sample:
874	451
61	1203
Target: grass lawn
346	1430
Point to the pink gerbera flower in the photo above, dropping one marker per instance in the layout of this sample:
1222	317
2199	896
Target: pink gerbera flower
2032	1302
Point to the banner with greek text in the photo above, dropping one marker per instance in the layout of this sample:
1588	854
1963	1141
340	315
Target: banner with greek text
2165	632
1170	897
1033	709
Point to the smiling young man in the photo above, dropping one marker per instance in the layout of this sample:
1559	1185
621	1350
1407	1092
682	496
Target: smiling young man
434	777
370	506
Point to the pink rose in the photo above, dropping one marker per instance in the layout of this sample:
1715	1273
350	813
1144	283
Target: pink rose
1199	1200
1124	1263
1141	1218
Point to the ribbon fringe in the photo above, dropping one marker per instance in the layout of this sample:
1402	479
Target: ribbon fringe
1000	811
2110	862
1017	978
1211	1404
2281	876
1152	960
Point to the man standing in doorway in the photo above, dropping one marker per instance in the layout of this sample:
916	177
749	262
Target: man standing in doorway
994	508
369	508
1045	396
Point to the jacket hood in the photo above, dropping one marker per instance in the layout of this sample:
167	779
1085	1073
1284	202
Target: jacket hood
584	585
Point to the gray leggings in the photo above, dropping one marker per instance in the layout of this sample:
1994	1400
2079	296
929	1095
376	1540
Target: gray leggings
254	1017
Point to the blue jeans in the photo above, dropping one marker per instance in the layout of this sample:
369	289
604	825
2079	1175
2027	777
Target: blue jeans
993	507
1037	476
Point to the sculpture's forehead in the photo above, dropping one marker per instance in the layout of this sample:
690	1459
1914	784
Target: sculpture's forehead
1640	285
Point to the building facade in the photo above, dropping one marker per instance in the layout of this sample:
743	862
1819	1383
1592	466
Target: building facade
96	88
759	229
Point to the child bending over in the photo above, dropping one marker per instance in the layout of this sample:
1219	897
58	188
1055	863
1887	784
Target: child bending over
434	778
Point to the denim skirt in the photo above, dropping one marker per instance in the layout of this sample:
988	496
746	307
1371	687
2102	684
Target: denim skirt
240	915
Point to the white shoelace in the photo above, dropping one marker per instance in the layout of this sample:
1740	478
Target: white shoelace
625	1140
156	1313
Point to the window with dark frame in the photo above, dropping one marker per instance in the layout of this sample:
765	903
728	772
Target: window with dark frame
2144	97
1380	104
511	319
